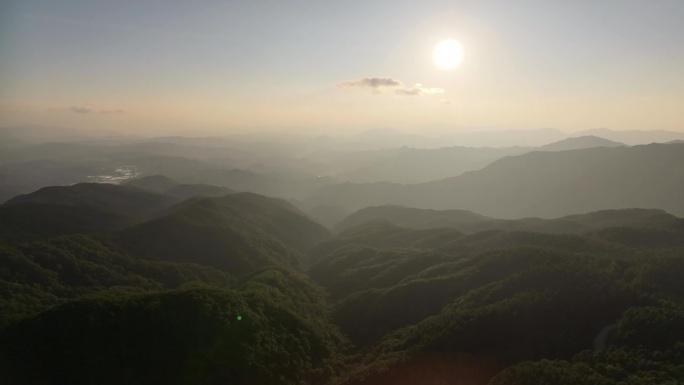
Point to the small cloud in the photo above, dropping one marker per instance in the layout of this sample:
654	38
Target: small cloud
89	110
80	110
445	101
378	83
418	89
432	90
408	92
372	82
429	90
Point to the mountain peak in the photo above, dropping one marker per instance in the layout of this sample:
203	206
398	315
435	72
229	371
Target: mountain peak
580	142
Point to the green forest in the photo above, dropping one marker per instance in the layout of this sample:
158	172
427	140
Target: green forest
107	284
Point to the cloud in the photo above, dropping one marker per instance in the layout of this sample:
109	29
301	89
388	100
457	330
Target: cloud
418	89
372	82
408	91
377	84
90	110
432	90
445	101
80	110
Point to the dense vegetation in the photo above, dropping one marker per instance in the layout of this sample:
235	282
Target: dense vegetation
246	289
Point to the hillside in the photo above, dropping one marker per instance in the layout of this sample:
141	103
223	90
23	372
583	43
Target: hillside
120	199
469	306
239	233
635	137
413	218
539	184
164	185
196	334
413	165
31	221
43	273
467	221
154	183
184	191
247	289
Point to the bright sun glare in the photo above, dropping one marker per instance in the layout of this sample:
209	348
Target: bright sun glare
448	54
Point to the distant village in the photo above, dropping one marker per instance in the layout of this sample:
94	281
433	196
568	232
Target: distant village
119	175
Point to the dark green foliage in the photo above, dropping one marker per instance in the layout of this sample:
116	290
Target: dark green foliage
384	234
32	221
35	276
548	372
649	238
225	247
649	349
506	305
239	233
147	304
200	335
656	328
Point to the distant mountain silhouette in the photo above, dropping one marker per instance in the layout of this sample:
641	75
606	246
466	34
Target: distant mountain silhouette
539	184
634	137
416	165
578	143
411	165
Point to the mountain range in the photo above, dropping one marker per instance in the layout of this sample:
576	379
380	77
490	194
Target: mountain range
541	184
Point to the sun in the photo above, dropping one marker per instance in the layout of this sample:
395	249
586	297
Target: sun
447	54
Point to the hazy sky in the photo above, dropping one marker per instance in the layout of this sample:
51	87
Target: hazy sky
229	66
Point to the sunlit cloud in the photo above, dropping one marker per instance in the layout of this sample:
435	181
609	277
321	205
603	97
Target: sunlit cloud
408	91
80	110
372	82
418	89
379	84
90	110
429	90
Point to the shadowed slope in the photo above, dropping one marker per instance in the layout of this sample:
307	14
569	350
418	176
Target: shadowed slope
240	233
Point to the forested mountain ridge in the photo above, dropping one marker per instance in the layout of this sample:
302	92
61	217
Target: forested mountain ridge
467	221
105	196
474	308
239	232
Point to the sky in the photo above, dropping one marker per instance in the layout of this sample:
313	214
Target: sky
169	66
